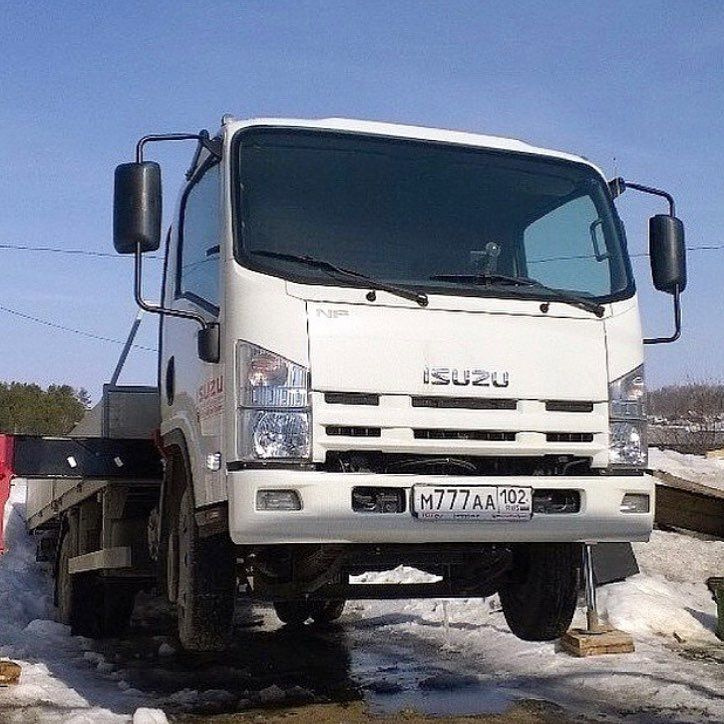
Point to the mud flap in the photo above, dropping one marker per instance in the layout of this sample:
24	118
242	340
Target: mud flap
613	562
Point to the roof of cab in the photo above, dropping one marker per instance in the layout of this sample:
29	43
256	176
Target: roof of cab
231	125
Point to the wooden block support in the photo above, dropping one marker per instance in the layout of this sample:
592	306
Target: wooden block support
580	642
9	673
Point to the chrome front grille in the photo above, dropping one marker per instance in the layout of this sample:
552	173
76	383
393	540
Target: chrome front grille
569	406
351	398
470	426
569	436
443	434
347	431
464	403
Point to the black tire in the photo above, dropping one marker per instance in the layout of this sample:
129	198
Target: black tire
539	596
90	604
170	572
107	606
206	583
293	613
66	594
327	611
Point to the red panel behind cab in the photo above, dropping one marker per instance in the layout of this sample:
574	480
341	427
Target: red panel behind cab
6	475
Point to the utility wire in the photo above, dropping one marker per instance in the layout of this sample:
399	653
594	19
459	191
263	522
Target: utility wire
75	252
81	332
101	338
703	247
85	252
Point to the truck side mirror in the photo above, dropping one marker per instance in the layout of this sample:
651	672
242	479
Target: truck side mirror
137	207
668	253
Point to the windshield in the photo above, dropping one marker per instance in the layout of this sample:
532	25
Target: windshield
432	217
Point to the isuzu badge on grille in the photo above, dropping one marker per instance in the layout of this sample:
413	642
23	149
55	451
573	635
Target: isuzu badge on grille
462	377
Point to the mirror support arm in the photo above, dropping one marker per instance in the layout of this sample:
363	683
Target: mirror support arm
153	308
209	344
677	323
213	145
619	185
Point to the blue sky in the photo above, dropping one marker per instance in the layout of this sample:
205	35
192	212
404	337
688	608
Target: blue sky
638	87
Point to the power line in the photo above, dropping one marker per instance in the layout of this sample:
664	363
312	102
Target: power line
74	252
703	247
632	256
85	252
81	332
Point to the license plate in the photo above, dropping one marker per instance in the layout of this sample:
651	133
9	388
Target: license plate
477	502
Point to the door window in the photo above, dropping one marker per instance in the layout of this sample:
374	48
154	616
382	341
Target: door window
199	253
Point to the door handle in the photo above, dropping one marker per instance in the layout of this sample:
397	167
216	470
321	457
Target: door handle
170	380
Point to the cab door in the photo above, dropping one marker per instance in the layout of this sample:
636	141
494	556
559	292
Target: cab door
192	391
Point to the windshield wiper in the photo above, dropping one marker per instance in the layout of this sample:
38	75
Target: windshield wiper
484	278
561	295
419	297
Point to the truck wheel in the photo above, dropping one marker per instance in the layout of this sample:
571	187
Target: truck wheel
171	577
539	597
206	584
293	613
90	604
327	611
66	594
111	602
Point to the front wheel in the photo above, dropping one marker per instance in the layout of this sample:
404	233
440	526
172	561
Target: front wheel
539	597
327	611
206	588
293	613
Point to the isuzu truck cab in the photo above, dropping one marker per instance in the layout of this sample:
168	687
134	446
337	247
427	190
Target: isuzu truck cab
386	345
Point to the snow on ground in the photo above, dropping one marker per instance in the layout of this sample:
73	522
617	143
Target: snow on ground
667	678
58	682
674	678
697	468
438	656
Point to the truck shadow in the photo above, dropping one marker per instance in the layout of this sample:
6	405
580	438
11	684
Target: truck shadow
266	665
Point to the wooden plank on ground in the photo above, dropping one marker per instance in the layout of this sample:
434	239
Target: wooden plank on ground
611	641
9	673
674	481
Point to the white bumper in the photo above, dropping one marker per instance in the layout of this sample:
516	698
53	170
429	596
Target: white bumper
327	515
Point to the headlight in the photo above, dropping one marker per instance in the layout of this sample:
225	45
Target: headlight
627	420
269	435
268	380
273	415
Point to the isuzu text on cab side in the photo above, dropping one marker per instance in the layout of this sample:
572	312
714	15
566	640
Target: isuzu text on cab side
386	345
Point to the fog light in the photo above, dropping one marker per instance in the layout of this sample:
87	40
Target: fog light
278	500
556	501
635	503
378	500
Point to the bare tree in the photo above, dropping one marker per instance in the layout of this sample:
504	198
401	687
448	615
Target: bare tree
688	418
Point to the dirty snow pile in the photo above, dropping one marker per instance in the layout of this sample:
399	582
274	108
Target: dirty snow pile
697	468
57	681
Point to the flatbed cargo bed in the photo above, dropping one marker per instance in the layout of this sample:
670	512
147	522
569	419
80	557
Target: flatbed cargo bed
67	470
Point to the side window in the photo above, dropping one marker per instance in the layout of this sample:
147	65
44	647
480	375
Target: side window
566	248
198	272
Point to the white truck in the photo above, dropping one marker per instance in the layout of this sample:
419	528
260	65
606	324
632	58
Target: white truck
379	345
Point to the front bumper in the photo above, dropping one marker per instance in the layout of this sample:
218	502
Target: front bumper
327	515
